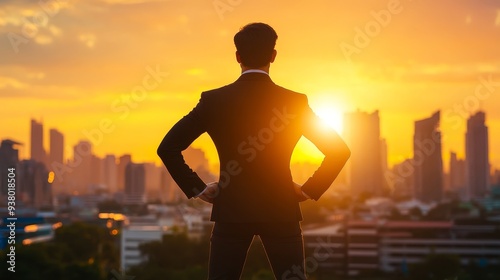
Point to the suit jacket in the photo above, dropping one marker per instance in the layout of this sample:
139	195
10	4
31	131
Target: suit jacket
255	125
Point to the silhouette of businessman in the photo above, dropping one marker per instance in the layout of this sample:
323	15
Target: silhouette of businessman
255	125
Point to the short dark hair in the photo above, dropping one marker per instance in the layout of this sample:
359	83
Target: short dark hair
255	43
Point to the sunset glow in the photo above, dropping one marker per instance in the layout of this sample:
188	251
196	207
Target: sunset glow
139	66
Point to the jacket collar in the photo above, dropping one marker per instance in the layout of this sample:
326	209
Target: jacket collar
255	77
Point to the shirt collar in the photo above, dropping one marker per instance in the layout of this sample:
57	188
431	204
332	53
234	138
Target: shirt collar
254	71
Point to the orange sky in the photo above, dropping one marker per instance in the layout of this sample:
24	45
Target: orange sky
80	62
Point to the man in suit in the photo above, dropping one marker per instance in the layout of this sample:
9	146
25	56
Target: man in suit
255	125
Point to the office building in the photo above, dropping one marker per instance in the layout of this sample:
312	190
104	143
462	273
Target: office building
476	157
37	149
427	159
362	134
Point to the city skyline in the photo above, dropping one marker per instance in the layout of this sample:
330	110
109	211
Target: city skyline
302	149
79	76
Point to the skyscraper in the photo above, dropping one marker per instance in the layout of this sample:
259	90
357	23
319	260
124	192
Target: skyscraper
56	158
362	134
427	159
123	162
34	185
81	167
135	183
110	173
457	175
56	147
37	150
476	156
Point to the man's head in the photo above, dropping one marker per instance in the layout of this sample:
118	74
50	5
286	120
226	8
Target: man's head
255	45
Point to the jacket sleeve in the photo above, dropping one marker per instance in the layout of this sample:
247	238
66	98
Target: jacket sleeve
333	148
180	136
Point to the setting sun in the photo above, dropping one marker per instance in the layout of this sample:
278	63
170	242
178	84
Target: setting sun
331	117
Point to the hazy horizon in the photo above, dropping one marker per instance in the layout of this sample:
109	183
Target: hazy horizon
85	59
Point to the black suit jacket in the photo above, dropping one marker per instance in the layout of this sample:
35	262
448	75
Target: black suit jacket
255	126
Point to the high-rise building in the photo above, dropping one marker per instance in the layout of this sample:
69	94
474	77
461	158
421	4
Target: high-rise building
110	173
457	175
56	158
122	164
476	156
97	171
9	157
401	179
81	165
56	147
427	159
37	150
135	183
195	158
34	184
362	134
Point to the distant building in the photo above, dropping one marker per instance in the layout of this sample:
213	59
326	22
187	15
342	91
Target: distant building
427	159
97	171
195	158
36	145
56	153
401	179
122	164
56	158
457	175
351	247
476	157
362	134
110	176
9	157
81	166
135	184
34	184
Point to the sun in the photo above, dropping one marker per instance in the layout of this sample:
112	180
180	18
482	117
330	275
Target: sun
331	117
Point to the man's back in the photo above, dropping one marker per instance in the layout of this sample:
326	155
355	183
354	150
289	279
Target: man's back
255	126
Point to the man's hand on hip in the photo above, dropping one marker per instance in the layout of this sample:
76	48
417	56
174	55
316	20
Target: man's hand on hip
301	196
210	192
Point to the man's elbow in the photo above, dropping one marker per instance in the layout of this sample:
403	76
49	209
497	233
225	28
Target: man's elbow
345	153
162	150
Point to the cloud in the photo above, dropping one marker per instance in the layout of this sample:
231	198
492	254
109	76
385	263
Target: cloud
43	40
7	82
88	39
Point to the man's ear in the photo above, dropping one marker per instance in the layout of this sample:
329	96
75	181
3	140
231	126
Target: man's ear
273	56
238	58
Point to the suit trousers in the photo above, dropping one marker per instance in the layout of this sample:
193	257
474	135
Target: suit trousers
282	242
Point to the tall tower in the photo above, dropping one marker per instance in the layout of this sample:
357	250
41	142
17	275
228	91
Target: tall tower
120	172
37	151
362	134
110	173
56	147
427	159
82	167
457	174
476	156
135	183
